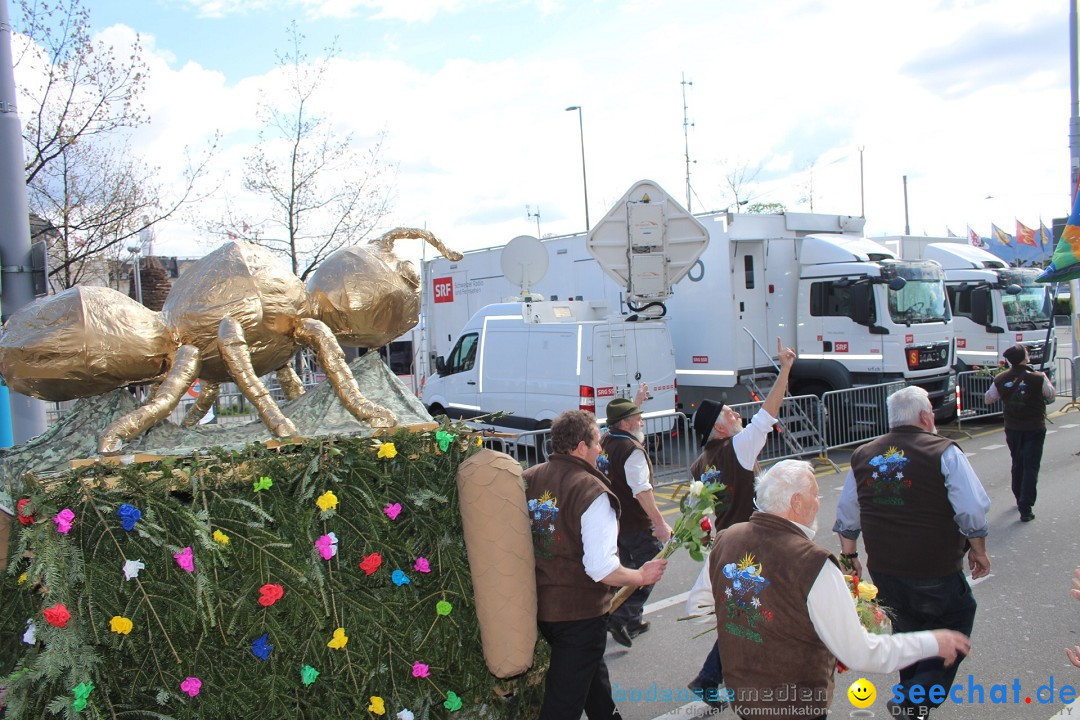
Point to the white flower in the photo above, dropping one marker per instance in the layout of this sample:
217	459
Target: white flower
30	636
132	568
755	602
697	488
405	714
727	591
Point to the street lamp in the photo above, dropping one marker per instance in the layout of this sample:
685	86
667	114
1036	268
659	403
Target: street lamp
135	250
584	182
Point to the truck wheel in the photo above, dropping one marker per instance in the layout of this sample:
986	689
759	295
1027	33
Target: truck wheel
436	410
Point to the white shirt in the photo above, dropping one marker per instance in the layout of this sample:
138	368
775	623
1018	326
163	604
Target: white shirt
636	469
747	443
832	613
599	537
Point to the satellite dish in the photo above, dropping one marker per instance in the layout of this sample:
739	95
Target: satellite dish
524	262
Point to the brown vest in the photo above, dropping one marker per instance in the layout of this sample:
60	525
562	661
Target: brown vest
558	492
907	519
617	448
774	661
718	463
1023	406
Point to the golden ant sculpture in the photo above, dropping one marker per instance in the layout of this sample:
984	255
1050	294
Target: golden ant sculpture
237	313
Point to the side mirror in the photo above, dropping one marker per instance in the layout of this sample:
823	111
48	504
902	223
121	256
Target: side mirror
1013	289
860	303
897	283
440	365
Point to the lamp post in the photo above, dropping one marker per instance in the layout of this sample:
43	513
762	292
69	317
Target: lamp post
135	250
584	182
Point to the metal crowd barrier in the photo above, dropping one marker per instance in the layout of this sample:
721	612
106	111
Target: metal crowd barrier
855	415
971	386
799	428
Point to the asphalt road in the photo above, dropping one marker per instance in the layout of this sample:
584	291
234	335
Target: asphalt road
1026	616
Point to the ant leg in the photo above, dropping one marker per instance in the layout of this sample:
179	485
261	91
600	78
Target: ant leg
208	393
237	356
166	396
316	335
290	383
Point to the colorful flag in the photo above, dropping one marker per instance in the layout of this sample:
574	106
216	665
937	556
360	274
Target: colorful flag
949	232
1066	262
974	239
1025	235
1043	236
1000	235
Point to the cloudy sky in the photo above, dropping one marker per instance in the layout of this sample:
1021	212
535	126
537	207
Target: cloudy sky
967	98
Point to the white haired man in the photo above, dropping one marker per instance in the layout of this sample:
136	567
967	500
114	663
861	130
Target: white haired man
920	507
784	612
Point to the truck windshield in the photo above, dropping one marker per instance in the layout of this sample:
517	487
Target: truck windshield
919	301
1030	310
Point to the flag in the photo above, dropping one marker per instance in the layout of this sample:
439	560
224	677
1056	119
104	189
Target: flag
1043	236
949	232
1000	235
974	239
1025	235
1065	264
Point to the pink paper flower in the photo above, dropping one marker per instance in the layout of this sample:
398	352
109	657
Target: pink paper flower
184	560
422	565
192	686
392	510
420	670
63	521
327	545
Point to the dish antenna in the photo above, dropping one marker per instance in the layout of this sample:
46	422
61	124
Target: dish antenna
524	263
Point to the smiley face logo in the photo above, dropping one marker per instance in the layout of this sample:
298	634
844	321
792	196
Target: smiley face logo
862	693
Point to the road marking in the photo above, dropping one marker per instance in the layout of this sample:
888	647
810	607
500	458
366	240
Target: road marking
993	447
665	603
1072	710
1069	426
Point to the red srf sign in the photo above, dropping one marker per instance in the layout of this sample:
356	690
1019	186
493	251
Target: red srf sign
841	347
443	289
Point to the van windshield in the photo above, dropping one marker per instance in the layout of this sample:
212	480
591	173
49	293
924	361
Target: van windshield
1028	310
919	301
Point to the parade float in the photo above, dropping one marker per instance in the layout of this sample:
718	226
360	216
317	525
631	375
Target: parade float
335	559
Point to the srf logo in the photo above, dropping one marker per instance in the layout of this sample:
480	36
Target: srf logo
443	289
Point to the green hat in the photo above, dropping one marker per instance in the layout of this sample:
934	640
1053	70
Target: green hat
620	409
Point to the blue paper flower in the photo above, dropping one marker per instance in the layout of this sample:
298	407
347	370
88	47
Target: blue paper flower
129	515
261	647
400	578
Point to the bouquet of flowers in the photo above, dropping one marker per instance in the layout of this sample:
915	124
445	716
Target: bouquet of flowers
873	616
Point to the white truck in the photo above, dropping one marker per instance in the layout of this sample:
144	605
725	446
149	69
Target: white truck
994	306
855	313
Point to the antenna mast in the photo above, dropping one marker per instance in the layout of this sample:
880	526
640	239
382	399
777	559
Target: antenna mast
686	125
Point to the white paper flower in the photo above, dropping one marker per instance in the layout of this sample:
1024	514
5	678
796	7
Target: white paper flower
132	568
30	636
697	488
405	715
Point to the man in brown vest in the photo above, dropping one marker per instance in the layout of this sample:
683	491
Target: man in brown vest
729	455
574	517
1025	393
784	614
642	529
921	507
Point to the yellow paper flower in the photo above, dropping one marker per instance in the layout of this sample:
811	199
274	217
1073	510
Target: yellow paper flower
327	501
387	450
339	640
867	591
377	706
120	625
479	441
220	537
22	578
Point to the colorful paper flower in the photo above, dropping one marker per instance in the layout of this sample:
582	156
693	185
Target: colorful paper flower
339	640
406	714
371	563
422	565
82	694
261	647
263	483
392	510
63	521
387	450
30	636
327	545
377	706
443	608
479	441
220	537
121	625
184	559
453	702
697	488
420	670
57	615
132	568
270	594
192	686
444	438
308	674
22	578
327	501
23	513
129	515
400	578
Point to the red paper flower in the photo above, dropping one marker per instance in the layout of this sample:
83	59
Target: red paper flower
371	563
25	516
57	615
706	526
270	594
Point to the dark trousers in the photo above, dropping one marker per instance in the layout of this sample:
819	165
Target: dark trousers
635	549
927	604
1026	448
577	678
712	671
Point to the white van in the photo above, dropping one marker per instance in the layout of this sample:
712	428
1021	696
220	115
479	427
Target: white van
534	360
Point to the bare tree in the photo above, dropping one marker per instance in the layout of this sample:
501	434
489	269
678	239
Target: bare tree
807	185
739	179
766	208
322	193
